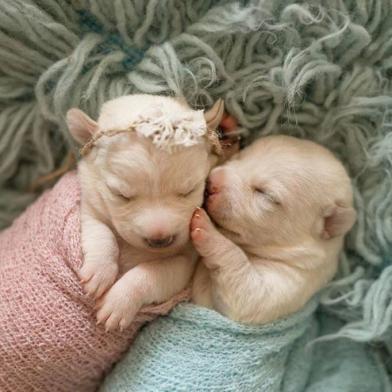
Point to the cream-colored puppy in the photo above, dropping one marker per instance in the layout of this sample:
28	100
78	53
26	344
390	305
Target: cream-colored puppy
142	175
281	208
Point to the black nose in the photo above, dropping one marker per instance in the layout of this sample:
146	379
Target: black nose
161	242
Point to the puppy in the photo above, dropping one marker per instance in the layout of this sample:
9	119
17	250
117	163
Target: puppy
280	208
143	174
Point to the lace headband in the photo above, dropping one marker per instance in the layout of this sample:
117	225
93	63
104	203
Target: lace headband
166	130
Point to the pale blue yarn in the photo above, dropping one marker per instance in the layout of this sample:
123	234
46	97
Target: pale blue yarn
315	69
196	349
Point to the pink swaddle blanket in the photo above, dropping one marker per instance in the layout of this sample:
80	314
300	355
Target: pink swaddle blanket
49	340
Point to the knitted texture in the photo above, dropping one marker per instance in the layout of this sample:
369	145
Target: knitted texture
196	349
314	69
49	338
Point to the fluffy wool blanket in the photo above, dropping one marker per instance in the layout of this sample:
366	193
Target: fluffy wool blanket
317	69
49	341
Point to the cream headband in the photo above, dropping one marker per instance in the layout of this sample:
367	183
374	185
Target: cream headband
168	130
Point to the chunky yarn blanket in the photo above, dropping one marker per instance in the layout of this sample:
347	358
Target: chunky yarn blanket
49	341
317	69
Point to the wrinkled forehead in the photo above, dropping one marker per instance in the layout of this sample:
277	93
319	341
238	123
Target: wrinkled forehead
134	157
311	174
268	161
282	155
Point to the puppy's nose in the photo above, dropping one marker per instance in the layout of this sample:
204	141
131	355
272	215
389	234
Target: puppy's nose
159	242
215	181
212	188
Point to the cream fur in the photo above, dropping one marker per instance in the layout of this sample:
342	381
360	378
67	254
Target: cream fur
281	208
133	191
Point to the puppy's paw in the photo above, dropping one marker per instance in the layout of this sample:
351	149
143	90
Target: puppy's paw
117	309
200	220
203	232
97	277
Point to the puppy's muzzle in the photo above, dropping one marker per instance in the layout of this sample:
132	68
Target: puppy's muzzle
160	242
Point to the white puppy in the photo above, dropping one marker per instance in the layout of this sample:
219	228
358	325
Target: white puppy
281	207
142	175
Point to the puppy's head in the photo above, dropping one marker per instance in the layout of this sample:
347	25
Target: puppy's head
280	191
145	192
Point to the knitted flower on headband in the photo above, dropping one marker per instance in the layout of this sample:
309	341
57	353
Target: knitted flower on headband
165	129
168	129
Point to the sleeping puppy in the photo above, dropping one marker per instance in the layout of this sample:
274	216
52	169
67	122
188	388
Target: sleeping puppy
138	198
280	208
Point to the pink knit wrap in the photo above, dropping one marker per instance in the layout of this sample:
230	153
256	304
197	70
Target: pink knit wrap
49	340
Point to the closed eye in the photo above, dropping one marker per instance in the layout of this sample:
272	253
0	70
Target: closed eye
120	195
267	195
125	198
187	193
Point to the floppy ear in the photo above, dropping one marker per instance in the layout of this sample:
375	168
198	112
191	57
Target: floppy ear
338	221
213	116
81	126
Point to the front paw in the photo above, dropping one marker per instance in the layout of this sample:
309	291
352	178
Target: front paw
118	308
97	277
203	233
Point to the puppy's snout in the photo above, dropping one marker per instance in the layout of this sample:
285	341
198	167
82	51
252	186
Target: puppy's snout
215	181
160	241
212	188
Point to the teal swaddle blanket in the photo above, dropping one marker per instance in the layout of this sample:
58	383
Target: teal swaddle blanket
197	349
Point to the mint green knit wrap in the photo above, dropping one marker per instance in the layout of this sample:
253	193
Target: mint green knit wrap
315	69
196	349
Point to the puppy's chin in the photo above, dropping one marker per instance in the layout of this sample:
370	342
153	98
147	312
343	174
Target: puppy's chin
170	250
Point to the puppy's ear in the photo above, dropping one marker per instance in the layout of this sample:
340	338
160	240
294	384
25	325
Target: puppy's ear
213	116
81	126
338	220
